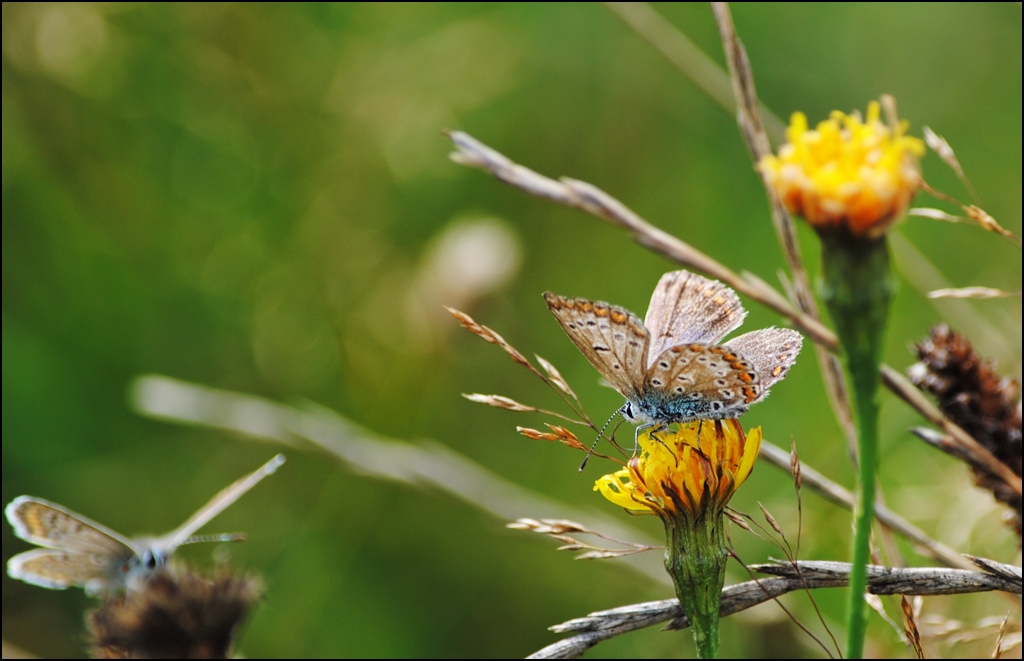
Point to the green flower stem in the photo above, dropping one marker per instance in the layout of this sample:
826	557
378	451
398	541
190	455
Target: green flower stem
856	289
695	557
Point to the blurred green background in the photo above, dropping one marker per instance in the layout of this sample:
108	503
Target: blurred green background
258	198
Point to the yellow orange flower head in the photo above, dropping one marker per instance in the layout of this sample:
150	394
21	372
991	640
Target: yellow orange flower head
847	173
684	471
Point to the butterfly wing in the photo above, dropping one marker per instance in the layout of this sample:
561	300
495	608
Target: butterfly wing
57	570
51	526
700	382
172	540
612	339
772	351
690	309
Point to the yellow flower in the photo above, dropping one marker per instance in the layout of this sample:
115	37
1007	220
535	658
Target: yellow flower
847	174
682	472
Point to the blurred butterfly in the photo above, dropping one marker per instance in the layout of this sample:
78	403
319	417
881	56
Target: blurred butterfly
671	368
82	553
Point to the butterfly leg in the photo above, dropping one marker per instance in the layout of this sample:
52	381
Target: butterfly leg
655	427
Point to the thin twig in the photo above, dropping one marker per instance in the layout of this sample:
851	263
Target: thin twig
430	463
688	58
841	496
900	385
748	116
973	292
422	464
790	577
589	198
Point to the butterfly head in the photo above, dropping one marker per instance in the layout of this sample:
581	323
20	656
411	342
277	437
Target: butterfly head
635	412
149	557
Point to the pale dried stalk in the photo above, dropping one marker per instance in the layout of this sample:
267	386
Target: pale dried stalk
559	529
911	632
428	463
979	455
425	463
687	57
972	292
944	150
975	214
589	198
602	625
841	496
748	116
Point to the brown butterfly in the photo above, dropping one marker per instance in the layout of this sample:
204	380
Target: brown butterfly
671	368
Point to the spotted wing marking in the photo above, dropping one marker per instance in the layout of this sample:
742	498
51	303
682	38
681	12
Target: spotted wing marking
57	570
52	526
76	551
612	339
772	352
721	377
690	309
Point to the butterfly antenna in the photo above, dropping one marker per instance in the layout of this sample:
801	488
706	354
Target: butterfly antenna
600	434
223	537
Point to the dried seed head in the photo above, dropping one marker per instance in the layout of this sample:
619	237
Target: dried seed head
498	401
974	396
555	376
536	435
178	614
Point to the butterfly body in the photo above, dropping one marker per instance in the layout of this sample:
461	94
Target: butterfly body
670	368
78	552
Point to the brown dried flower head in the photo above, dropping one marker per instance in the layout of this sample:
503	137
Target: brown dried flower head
974	396
177	615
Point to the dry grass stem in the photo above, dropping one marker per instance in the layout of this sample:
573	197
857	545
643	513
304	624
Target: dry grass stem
748	117
602	625
492	336
973	292
552	378
688	58
841	496
499	401
934	214
589	198
425	464
557	529
944	151
979	455
910	627
502	402
974	213
1009	572
561	435
924	581
556	377
997	652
